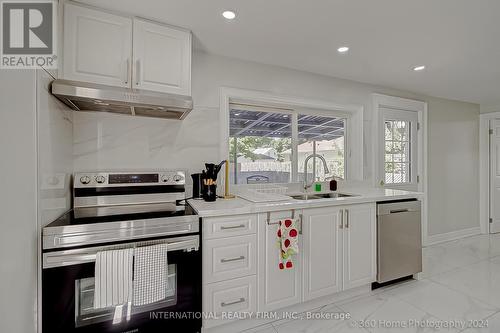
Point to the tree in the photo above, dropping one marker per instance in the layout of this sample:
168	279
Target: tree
245	146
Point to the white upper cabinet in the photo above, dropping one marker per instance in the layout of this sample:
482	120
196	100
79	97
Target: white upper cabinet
162	57
97	46
360	245
103	48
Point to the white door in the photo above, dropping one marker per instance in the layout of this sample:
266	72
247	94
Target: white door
162	58
398	153
359	245
495	176
97	46
322	251
277	287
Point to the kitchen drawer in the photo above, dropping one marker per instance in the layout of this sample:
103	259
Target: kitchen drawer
229	258
237	295
234	225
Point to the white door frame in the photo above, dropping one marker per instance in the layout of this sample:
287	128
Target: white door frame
398	103
484	169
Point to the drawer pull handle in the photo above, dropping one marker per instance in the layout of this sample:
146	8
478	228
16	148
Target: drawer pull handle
232	259
232	227
241	300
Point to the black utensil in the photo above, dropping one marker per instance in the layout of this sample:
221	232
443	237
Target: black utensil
210	170
218	167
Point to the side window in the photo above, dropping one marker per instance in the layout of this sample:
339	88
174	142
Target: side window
398	166
399	160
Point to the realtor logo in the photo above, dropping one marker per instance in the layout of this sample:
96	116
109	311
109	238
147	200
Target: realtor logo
28	34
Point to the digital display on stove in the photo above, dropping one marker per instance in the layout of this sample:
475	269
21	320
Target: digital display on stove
133	178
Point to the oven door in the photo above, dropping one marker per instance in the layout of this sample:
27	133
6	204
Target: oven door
68	292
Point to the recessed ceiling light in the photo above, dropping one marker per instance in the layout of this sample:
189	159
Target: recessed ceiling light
419	68
343	49
229	14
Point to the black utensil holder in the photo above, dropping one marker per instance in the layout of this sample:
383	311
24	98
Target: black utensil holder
210	193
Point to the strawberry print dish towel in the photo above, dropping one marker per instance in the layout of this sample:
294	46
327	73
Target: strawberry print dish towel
287	242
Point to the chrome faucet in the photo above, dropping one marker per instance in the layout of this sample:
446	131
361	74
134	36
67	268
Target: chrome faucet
306	185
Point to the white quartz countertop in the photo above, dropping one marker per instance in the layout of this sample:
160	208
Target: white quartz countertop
241	206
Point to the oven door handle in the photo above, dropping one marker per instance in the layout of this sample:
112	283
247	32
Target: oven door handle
88	255
70	259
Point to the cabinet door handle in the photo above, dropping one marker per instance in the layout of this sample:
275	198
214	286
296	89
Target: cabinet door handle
138	72
241	300
127	70
232	259
341	226
347	218
232	227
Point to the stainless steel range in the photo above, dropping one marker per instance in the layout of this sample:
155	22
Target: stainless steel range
120	210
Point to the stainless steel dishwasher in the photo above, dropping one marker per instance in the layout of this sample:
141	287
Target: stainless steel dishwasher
399	240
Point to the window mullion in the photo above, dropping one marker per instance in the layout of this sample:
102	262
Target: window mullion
295	144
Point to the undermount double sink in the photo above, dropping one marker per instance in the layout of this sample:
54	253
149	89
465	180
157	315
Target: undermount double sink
313	196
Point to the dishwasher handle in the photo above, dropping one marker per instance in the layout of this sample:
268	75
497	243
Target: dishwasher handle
394	211
398	207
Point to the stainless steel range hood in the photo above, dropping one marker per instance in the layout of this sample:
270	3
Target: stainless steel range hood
82	96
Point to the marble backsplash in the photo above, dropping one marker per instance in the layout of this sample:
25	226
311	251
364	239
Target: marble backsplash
105	141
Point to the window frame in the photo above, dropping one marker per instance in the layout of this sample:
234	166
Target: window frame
353	114
412	118
400	106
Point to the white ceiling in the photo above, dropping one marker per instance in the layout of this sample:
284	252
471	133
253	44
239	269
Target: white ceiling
458	40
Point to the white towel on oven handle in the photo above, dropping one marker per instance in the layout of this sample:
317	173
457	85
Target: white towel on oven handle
150	274
113	278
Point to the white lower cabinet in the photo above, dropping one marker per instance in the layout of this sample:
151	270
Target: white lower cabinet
322	240
277	287
359	245
229	267
337	252
339	248
229	258
236	295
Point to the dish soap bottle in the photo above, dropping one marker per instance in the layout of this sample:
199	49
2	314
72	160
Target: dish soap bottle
317	186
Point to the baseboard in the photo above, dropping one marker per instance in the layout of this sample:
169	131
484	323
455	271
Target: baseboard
453	235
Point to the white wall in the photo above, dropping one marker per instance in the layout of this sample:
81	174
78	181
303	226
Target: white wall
453	166
55	160
55	152
117	142
35	145
18	218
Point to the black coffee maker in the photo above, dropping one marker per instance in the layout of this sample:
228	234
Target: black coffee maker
198	185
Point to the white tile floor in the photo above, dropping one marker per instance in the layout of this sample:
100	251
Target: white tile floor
461	283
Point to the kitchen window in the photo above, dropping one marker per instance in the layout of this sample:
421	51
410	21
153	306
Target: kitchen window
270	145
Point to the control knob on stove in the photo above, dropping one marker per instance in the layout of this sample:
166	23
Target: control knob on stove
85	180
165	178
100	179
178	178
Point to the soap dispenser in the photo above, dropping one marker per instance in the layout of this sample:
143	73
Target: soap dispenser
317	186
333	184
